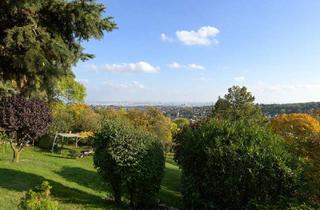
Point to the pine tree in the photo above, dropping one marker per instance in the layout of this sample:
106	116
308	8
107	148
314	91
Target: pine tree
40	40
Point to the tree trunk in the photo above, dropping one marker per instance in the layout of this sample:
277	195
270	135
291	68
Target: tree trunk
15	153
16	156
116	193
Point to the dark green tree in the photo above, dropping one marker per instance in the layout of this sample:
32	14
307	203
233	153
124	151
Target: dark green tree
129	159
234	165
238	104
40	41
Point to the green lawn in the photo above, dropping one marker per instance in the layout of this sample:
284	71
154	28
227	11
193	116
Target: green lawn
76	184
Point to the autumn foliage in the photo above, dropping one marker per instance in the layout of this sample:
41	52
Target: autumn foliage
151	120
74	118
302	135
295	125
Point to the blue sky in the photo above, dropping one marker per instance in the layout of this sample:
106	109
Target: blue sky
193	50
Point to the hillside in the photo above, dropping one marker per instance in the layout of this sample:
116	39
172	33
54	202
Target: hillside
76	184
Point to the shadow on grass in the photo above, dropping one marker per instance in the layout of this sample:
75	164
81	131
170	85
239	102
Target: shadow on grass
57	156
22	181
86	178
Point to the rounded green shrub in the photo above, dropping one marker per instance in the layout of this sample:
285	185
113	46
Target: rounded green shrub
228	165
130	160
39	199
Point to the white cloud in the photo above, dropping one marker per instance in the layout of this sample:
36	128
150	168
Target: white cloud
175	65
239	79
141	66
131	85
203	36
194	66
166	38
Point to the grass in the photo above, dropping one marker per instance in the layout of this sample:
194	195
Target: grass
76	184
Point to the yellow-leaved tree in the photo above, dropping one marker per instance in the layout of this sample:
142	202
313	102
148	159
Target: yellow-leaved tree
302	135
295	126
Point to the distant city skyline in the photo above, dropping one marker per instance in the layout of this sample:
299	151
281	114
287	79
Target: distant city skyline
190	51
149	103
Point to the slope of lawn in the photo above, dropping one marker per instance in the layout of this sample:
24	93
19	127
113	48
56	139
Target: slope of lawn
75	182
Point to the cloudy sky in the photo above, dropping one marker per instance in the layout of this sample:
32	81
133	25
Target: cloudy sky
193	50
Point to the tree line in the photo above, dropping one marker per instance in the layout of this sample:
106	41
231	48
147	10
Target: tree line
195	113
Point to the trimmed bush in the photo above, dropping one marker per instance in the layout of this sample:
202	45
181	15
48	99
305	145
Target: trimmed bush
39	199
229	165
130	160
